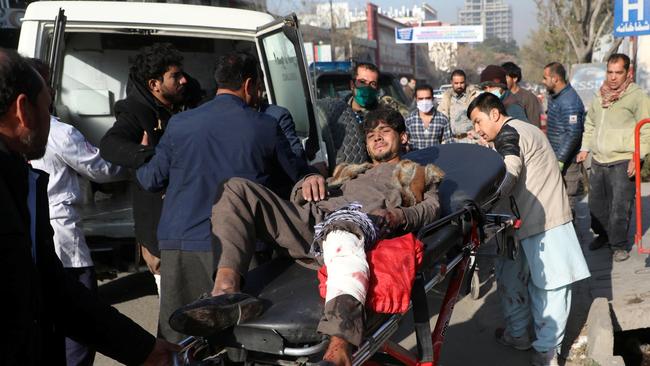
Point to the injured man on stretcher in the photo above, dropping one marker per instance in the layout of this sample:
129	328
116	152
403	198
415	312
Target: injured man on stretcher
330	223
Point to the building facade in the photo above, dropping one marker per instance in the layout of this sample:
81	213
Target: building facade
494	15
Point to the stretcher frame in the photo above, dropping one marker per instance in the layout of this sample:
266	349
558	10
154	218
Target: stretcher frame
429	343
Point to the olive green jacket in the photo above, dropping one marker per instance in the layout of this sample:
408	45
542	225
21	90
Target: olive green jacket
609	132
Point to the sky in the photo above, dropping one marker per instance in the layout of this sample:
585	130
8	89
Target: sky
524	11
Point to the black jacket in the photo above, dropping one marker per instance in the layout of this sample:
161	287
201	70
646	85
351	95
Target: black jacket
40	304
138	113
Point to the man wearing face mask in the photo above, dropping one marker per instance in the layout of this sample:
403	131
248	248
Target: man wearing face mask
201	148
426	126
365	89
493	80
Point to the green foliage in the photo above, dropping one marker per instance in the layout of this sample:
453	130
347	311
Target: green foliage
497	45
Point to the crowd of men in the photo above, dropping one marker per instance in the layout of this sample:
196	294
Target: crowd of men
196	164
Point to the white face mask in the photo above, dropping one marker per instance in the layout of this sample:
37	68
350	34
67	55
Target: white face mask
425	105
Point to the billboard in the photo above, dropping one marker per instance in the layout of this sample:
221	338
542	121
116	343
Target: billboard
586	79
446	33
631	17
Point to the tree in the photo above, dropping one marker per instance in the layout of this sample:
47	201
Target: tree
583	22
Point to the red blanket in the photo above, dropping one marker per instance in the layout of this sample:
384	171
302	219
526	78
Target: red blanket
392	265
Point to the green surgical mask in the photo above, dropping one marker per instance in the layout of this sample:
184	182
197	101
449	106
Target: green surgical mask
365	96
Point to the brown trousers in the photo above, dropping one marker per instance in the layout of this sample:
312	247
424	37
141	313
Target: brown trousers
246	212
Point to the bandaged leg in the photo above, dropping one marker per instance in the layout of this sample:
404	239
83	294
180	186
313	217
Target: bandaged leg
347	286
347	269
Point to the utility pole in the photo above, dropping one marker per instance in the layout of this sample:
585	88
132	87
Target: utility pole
332	29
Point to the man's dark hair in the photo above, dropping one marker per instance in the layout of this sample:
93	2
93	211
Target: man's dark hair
485	102
389	116
512	70
41	67
557	69
153	61
458	72
616	57
424	87
365	65
232	70
17	77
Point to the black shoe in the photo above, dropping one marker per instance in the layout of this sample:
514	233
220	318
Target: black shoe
620	255
205	317
599	242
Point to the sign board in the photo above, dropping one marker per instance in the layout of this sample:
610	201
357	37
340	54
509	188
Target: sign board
631	17
447	33
586	79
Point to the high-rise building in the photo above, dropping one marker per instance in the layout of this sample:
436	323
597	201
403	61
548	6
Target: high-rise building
494	15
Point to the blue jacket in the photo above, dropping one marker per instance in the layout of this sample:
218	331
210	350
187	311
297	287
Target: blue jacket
200	149
564	123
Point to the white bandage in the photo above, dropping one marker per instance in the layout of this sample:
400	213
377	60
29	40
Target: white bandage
347	270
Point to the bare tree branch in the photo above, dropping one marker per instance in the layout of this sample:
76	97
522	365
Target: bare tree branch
615	45
565	28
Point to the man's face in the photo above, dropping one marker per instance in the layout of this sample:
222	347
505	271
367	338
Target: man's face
458	84
549	80
616	74
37	125
412	83
172	87
494	90
510	81
423	94
366	77
384	143
485	124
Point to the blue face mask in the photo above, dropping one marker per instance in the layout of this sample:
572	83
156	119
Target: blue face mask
496	93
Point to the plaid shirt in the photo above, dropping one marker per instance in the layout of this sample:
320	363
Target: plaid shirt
438	132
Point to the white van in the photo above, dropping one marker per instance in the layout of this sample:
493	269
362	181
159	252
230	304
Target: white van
92	42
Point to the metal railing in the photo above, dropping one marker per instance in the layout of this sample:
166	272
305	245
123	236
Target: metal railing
638	236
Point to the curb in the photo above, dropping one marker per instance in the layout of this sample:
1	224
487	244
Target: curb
600	334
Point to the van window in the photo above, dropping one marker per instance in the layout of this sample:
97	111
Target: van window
286	82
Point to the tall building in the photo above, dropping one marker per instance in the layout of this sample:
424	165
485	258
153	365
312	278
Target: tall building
494	15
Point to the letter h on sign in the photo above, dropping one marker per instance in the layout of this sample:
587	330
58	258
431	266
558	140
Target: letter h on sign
631	17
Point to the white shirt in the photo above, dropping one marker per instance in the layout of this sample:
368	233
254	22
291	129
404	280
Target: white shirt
67	156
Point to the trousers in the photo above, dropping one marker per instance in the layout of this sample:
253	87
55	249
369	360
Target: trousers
611	195
246	212
78	354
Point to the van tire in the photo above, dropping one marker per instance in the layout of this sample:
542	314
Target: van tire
341	132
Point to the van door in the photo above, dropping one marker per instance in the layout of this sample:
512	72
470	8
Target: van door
56	48
281	54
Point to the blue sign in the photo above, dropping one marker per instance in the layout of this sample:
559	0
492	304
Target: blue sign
631	17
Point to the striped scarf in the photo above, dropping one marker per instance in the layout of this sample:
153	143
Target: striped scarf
609	95
351	213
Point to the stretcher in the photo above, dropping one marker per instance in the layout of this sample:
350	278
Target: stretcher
285	334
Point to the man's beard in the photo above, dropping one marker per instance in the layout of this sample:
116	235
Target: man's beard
35	149
383	157
174	98
459	91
